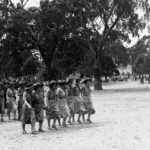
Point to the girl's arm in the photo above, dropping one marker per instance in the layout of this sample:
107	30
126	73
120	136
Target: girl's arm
46	98
25	100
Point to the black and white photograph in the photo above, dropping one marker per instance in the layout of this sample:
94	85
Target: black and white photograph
74	74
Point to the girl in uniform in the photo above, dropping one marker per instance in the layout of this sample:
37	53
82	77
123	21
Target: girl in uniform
62	102
87	101
38	104
78	106
2	102
11	101
28	114
70	100
52	110
20	99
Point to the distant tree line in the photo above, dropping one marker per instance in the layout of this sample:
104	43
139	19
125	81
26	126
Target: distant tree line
140	55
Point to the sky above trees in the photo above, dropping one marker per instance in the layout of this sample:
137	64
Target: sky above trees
30	3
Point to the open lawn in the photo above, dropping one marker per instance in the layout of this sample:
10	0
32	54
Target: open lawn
121	122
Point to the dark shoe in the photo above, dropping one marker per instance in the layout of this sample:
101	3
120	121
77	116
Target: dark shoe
83	119
2	120
40	130
64	125
89	120
70	122
60	125
33	132
79	121
24	132
54	127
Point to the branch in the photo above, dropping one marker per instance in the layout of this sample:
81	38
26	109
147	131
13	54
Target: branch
113	25
53	51
111	11
32	35
23	3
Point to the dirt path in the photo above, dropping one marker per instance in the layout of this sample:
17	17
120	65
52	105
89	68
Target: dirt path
121	122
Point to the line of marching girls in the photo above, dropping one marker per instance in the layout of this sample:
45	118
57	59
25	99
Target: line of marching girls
61	100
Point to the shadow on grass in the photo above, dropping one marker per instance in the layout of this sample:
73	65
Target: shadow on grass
76	128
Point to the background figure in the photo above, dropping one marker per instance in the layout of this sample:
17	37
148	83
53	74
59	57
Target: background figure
149	79
20	99
28	114
70	100
78	106
2	102
86	96
11	101
62	102
38	104
52	110
6	86
142	79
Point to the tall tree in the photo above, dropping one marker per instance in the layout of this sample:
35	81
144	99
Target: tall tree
48	30
13	43
70	57
140	64
99	19
141	47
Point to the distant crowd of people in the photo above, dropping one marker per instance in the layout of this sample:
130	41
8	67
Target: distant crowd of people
143	78
125	78
61	100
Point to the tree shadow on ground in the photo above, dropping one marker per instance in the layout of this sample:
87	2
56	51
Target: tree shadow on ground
77	127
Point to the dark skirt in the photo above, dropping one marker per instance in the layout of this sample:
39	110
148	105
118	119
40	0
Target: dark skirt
39	112
27	115
19	108
20	104
11	107
2	107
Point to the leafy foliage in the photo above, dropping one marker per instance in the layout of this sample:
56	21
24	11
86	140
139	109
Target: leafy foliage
83	35
139	65
140	56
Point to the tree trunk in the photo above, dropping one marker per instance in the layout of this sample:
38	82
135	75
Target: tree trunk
97	64
52	73
106	80
49	71
98	85
98	69
98	75
98	82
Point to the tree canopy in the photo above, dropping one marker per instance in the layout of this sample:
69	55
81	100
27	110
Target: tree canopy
140	55
69	34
